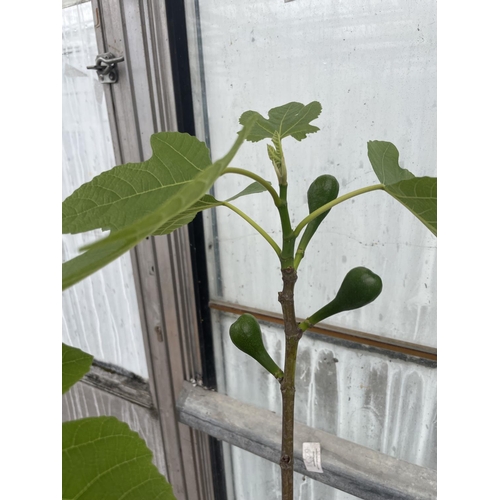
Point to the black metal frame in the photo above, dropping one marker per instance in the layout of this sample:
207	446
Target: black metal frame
176	22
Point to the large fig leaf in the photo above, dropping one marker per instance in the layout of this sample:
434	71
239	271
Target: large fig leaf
126	193
417	194
292	119
384	158
75	364
89	262
118	242
104	459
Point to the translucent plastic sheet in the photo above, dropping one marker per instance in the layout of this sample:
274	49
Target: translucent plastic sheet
100	314
372	66
379	401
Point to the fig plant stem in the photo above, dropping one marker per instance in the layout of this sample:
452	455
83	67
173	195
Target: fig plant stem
287	253
292	337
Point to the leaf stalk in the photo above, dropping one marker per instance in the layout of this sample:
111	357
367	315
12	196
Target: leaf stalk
259	179
337	201
266	236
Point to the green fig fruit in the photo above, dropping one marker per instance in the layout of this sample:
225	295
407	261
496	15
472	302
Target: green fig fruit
360	287
246	335
322	190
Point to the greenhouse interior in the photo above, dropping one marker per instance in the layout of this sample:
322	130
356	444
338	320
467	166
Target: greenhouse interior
249	250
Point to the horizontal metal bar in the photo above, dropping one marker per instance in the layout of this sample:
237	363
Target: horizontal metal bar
119	382
347	466
388	344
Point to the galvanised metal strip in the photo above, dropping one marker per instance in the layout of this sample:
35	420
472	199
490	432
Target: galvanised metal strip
347	466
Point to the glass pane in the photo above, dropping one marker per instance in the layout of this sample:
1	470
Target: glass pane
100	314
373	68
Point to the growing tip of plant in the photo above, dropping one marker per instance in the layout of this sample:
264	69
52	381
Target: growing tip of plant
277	158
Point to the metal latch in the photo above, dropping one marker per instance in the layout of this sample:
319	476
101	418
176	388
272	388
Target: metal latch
105	65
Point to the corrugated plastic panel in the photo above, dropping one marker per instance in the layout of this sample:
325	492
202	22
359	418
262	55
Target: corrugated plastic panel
100	314
379	401
372	66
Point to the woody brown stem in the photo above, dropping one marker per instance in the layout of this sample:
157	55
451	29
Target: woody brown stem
292	337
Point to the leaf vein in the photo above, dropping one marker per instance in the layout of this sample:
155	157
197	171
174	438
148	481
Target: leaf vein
96	478
122	179
149	479
124	198
179	153
299	119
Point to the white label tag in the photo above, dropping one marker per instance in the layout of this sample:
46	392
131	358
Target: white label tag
311	453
